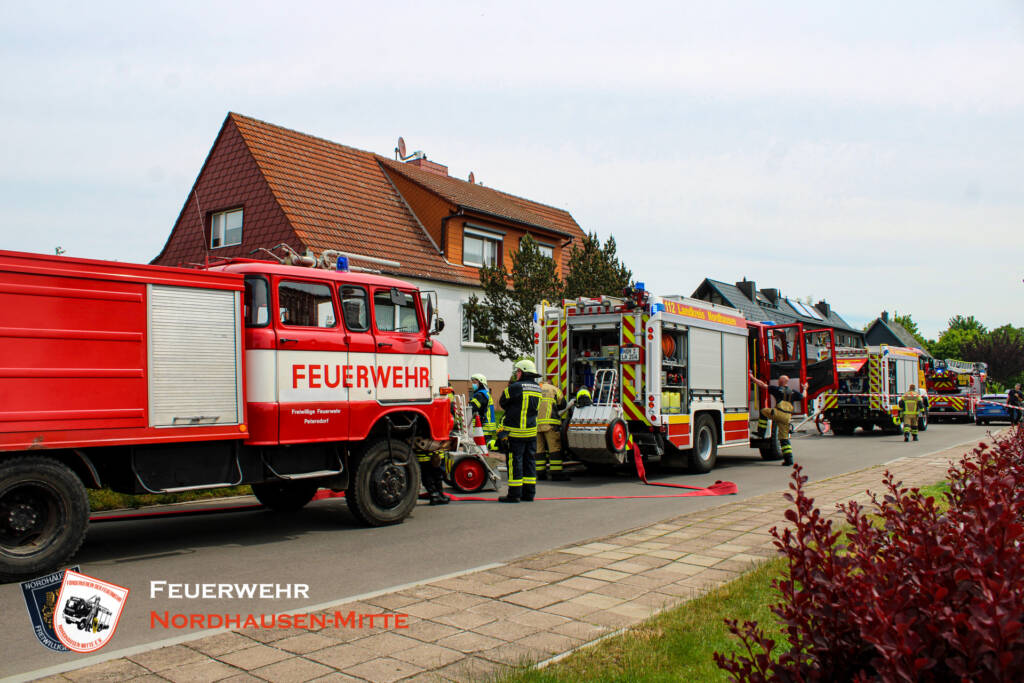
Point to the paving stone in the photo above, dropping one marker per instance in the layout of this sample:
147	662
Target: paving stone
307	642
613	555
220	644
499	609
292	670
342	656
467	620
384	670
552	643
268	635
634	611
114	670
514	654
610	619
469	642
539	619
168	658
461	600
583	584
395	601
507	630
253	657
572	610
429	656
597	601
623	591
581	630
241	678
429	609
470	670
201	672
425	592
628	566
605	574
388	643
429	631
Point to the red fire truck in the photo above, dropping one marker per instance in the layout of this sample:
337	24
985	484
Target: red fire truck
672	373
148	379
954	388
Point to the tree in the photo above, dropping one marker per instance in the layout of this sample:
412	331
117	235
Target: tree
595	270
1002	349
907	321
504	318
962	331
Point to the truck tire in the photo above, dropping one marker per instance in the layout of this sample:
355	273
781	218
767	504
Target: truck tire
705	445
384	490
44	512
285	496
922	423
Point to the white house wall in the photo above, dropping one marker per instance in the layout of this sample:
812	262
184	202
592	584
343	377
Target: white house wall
463	359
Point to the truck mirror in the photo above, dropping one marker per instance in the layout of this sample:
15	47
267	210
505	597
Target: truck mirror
438	326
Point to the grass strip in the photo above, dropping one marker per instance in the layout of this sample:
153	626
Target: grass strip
105	499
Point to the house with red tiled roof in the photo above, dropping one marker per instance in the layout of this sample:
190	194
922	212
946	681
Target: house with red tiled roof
262	186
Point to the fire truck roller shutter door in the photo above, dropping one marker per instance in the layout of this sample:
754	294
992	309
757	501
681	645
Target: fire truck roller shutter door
193	356
705	364
734	370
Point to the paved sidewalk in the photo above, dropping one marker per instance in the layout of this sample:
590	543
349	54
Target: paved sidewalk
530	610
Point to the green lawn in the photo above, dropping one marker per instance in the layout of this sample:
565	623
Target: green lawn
676	645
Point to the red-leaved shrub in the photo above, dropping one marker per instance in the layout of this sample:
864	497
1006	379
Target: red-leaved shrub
914	594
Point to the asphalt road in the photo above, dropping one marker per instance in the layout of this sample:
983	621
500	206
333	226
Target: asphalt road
322	545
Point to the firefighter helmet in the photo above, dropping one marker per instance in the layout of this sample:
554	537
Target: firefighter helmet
479	378
527	366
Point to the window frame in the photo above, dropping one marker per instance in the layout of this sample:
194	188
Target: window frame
277	296
414	295
471	342
485	237
270	303
545	245
223	228
370	322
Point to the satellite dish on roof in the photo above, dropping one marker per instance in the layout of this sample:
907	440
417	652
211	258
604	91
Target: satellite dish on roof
401	147
472	178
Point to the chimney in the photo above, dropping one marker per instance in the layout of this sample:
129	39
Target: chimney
773	295
429	166
824	308
749	289
885	316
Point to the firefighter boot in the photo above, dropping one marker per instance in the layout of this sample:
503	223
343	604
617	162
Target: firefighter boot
915	436
906	437
510	498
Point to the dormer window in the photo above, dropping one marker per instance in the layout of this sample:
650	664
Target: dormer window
226	228
480	248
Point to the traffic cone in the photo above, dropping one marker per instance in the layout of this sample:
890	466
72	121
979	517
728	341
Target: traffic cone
478	434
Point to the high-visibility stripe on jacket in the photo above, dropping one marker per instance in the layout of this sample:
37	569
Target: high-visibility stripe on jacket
909	403
483	405
520	401
551	398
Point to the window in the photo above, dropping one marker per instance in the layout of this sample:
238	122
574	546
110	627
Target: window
546	250
257	302
467	327
395	311
226	229
304	304
355	308
480	248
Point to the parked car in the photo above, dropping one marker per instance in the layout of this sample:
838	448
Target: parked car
989	411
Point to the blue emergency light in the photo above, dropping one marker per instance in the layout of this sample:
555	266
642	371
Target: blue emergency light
342	264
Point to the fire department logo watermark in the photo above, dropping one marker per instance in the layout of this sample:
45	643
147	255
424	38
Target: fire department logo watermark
87	611
41	601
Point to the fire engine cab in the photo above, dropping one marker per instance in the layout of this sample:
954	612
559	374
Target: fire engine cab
148	379
670	373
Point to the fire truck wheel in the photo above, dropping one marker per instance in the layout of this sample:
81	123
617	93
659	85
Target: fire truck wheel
922	423
285	496
386	485
44	512
705	445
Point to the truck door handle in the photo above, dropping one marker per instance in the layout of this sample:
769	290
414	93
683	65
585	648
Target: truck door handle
289	341
381	345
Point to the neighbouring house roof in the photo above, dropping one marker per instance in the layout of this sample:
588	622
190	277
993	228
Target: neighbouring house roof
339	197
880	326
761	309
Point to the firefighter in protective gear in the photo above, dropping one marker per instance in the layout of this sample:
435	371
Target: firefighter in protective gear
910	407
549	433
520	401
432	476
482	403
781	414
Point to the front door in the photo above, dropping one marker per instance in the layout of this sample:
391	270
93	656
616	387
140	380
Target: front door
402	372
311	359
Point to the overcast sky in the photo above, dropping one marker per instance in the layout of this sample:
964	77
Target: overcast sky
868	153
